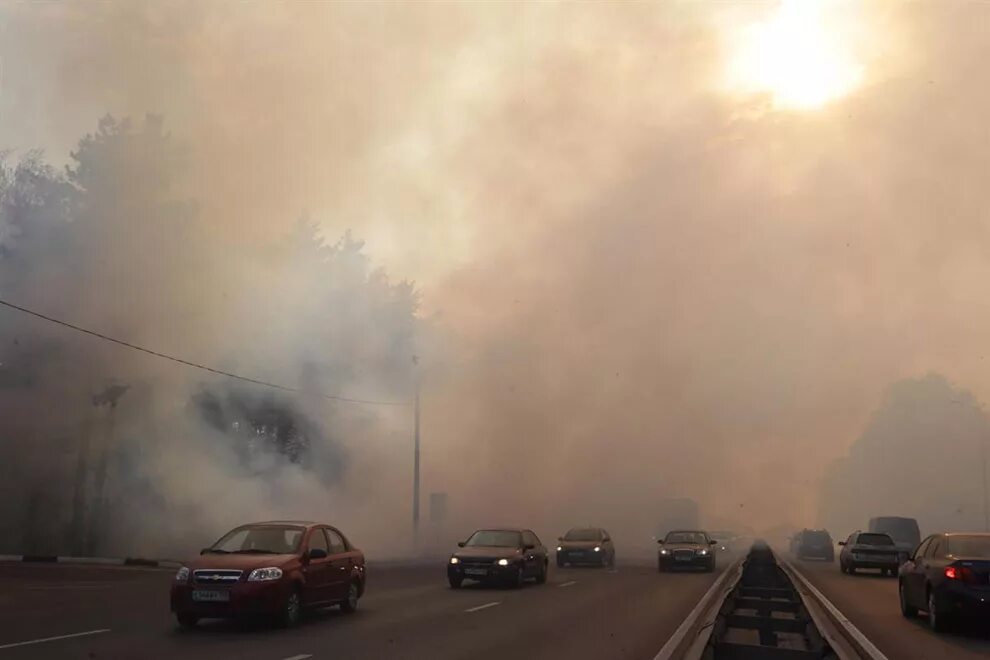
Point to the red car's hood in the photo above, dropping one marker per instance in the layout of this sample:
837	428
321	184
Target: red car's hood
240	562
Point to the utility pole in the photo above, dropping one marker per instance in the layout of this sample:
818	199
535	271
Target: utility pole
415	506
986	504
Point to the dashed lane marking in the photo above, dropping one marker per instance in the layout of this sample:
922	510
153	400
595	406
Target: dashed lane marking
567	584
52	639
481	607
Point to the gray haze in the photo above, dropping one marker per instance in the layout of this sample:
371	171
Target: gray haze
635	284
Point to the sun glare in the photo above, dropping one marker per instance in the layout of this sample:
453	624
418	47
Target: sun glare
797	56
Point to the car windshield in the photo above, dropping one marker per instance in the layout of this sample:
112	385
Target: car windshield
874	539
685	537
260	539
969	546
495	538
817	538
583	535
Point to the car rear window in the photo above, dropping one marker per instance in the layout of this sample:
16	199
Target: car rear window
817	538
969	546
874	539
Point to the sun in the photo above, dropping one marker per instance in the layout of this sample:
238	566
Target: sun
798	56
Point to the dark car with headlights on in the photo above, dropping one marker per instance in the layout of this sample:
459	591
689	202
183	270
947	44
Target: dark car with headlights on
271	569
506	556
586	545
869	550
813	544
686	549
948	576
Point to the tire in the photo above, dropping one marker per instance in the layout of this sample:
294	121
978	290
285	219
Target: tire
938	618
560	562
541	577
350	604
187	620
907	610
711	567
291	610
660	567
455	583
520	577
851	569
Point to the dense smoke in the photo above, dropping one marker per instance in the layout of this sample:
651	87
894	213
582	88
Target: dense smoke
639	285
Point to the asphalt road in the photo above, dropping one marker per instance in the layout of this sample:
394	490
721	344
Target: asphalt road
870	602
407	612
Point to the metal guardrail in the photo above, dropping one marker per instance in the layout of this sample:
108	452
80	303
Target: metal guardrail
761	608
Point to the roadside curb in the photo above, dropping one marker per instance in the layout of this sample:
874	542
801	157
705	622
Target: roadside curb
101	561
839	622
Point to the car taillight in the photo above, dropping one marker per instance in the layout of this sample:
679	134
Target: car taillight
952	573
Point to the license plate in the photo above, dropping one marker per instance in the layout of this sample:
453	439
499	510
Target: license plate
682	558
475	571
202	596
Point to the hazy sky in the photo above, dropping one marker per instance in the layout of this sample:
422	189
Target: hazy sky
673	245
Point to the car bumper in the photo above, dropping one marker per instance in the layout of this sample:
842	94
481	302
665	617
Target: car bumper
492	573
668	561
966	601
874	563
580	557
244	599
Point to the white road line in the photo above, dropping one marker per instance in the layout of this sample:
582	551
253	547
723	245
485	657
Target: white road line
52	639
301	656
614	570
567	584
481	607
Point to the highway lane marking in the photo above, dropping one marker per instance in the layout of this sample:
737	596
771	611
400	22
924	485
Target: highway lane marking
57	637
301	656
568	584
482	607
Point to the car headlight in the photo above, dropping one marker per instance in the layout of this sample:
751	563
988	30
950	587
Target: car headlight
503	562
664	552
702	552
559	548
455	560
182	575
598	548
265	574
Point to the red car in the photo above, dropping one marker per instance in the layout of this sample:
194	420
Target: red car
274	569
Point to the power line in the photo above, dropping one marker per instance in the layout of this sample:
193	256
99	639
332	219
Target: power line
196	365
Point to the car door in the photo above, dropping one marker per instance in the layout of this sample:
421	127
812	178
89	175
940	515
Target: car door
914	574
318	569
844	554
935	561
342	563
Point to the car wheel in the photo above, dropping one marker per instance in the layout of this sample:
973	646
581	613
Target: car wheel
711	566
851	569
541	577
517	581
938	620
560	562
291	609
660	567
906	609
351	602
187	620
455	582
